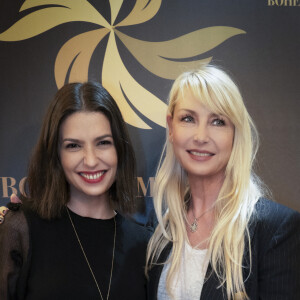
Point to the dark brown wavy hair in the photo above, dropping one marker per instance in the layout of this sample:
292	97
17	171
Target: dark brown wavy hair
46	187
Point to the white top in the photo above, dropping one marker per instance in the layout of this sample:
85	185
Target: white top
188	285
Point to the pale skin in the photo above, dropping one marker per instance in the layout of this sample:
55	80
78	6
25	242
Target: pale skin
202	143
86	151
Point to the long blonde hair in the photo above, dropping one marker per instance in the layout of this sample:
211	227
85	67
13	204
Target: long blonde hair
237	198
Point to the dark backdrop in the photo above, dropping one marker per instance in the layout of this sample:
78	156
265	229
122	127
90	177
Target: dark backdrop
264	61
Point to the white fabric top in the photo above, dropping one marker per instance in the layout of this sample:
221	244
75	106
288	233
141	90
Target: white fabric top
188	285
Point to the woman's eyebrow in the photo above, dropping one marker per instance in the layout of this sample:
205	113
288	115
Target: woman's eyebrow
101	137
187	110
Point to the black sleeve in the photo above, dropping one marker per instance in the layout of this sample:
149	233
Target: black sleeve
14	245
279	264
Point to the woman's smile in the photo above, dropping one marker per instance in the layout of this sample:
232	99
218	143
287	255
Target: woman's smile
202	140
88	155
92	177
200	155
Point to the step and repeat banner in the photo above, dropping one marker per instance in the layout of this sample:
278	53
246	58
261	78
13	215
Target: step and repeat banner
136	48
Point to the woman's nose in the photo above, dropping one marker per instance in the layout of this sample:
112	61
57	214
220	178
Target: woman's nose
90	158
201	134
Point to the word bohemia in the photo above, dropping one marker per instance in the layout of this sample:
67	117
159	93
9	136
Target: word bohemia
283	2
10	185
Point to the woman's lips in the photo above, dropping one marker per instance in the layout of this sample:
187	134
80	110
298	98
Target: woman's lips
200	155
92	177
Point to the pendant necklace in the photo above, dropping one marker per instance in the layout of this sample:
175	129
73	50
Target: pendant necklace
87	261
194	226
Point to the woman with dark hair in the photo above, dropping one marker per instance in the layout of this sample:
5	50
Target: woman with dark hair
68	239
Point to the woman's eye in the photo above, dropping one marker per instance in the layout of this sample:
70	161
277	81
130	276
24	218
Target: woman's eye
104	142
218	122
72	146
187	119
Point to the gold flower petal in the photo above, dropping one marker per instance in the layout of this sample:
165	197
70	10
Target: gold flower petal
118	81
115	6
78	51
158	57
82	10
142	12
44	19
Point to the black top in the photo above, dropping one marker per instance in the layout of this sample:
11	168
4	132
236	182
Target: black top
55	267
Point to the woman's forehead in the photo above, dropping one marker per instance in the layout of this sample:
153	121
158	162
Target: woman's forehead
188	99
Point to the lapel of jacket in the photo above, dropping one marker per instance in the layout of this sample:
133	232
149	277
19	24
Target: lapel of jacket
210	288
155	272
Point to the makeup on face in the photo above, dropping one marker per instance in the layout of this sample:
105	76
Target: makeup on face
88	155
202	140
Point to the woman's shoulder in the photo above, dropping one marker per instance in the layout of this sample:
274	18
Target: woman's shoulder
15	219
268	210
272	218
135	229
14	232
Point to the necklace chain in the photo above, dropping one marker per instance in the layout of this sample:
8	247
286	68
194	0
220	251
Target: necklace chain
194	226
87	261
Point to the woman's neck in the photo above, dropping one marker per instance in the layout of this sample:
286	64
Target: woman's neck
204	192
96	208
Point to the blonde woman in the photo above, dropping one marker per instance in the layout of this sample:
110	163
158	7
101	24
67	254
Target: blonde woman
217	237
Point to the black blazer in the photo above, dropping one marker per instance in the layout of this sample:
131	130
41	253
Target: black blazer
275	252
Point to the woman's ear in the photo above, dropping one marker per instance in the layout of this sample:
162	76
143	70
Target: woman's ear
170	126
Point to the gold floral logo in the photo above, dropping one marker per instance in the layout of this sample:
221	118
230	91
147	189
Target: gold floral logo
166	59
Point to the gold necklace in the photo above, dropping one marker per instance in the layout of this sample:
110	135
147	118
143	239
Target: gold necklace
87	261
